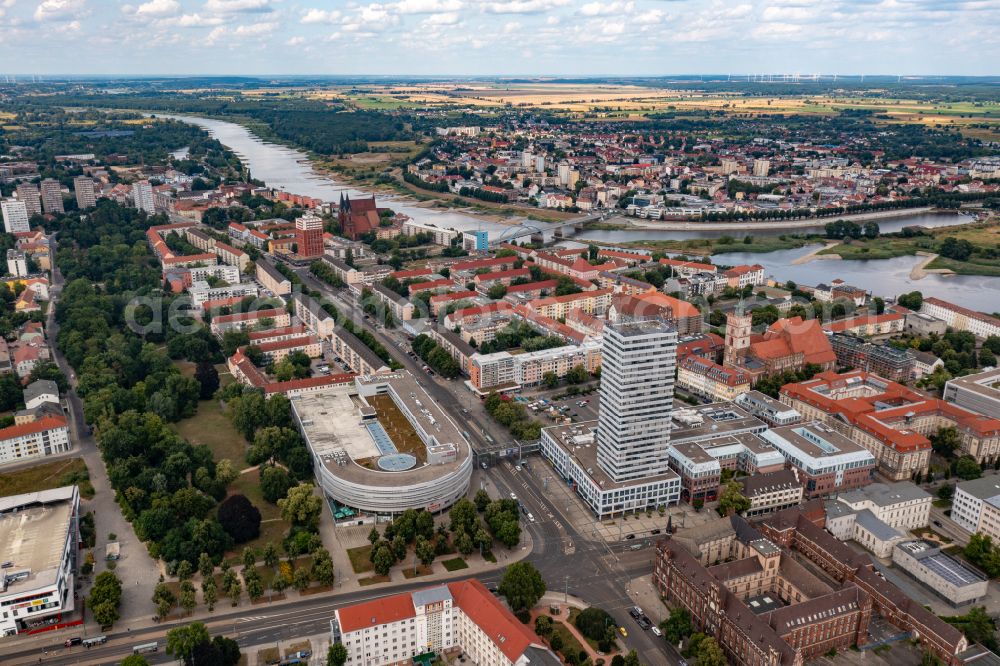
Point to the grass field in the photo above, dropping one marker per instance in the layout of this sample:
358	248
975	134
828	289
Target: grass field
571	645
359	557
455	564
272	527
211	426
46	476
373	580
421	570
703	247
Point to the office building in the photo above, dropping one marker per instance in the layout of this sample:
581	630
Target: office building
83	188
979	393
15	216
39	535
142	196
951	579
309	236
28	193
827	461
447	620
52	201
761	168
883	360
636	398
976	506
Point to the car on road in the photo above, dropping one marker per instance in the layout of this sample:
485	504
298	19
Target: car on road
656	531
937	523
623	631
645	623
656	631
629	537
635	612
513	497
531	518
302	654
70	642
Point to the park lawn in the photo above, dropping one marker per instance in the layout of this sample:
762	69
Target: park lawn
373	580
248	484
359	557
421	570
570	643
46	476
212	427
270	530
455	564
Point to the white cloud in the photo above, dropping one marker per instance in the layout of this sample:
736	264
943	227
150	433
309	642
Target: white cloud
296	41
447	18
789	13
512	28
606	8
237	6
198	21
320	16
427	6
523	6
72	27
59	10
158	8
239	32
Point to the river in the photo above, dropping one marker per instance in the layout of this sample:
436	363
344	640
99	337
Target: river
290	170
888	225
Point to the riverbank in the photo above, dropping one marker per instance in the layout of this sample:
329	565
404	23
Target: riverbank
764	225
710	246
815	254
927	245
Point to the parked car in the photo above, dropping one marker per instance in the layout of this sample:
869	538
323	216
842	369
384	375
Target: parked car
622	631
70	642
656	631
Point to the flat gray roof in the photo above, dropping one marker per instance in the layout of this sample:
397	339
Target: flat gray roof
886	494
984	488
34	528
331	421
881	530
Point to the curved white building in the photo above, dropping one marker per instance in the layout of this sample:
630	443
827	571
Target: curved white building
381	445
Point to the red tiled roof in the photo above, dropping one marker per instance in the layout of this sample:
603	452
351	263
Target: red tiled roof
453	296
383	610
291	343
787	337
854	322
275	332
676	263
512	273
416	272
47	423
569	298
533	286
505	630
433	284
972	314
249	316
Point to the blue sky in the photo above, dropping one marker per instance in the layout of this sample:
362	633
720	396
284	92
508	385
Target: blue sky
507	37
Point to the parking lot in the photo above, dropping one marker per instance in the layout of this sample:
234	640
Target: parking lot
551	412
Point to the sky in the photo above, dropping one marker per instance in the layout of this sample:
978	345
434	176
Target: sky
499	37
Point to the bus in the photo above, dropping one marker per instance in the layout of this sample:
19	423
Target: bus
146	647
96	640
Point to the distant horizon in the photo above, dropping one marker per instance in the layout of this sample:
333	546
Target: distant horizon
480	37
713	77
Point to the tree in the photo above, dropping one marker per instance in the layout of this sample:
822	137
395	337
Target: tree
424	550
946	492
208	379
522	585
945	441
913	300
270	555
205	565
300	579
593	623
966	468
182	641
135	660
550	380
336	655
632	659
463	516
187	597
184	570
249	558
481	500
732	499
274	483
105	597
465	544
301	506
164	599
322	567
279	583
678	626
708	653
577	375
225	473
228	649
209	593
239	518
870	230
255	587
383	559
